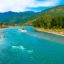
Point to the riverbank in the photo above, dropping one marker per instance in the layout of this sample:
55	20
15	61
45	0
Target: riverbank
52	31
9	27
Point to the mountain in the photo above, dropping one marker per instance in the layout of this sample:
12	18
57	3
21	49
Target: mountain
50	18
14	17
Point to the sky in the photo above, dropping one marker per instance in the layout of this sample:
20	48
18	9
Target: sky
28	5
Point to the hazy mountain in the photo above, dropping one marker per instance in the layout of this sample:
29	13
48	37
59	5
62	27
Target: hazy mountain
14	17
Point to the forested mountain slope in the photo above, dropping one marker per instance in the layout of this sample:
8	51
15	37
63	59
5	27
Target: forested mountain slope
50	18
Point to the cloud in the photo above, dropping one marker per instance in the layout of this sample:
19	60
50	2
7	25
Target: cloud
23	5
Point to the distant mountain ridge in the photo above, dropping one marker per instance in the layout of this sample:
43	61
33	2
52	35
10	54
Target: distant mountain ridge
16	17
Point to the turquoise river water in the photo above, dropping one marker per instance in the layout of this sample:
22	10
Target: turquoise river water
30	47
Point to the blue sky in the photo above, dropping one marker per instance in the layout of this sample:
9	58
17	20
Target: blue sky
28	5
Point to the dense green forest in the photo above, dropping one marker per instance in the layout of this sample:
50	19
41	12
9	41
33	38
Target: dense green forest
50	18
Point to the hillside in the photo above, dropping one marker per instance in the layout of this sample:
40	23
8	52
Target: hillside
50	18
15	18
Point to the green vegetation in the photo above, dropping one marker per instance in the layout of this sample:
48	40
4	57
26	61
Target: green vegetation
15	19
51	18
5	25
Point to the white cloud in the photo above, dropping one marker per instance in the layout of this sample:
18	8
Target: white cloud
22	5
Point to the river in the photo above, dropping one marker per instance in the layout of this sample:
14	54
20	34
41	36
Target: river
30	47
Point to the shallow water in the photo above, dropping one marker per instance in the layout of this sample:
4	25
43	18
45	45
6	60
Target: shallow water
30	47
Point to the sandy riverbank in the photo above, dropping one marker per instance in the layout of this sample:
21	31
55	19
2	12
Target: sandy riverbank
52	31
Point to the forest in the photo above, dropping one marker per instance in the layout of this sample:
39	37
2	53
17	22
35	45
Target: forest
51	18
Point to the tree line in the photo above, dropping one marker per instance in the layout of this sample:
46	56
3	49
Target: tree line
49	21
